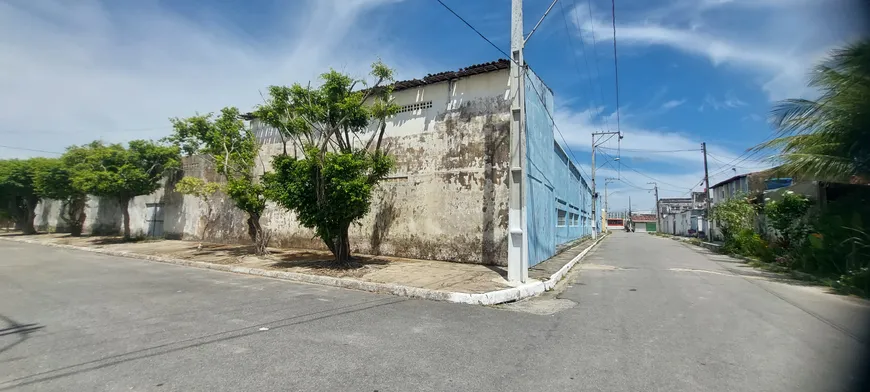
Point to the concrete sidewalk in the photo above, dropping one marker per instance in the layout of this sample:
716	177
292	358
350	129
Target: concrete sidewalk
428	279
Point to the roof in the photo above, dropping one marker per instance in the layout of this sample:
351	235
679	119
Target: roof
475	69
737	177
450	75
643	218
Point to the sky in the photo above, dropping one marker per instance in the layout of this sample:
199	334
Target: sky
689	71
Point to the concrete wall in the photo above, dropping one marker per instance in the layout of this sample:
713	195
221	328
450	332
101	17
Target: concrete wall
682	223
554	185
445	200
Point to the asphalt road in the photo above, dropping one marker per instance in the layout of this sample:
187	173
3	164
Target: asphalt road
644	314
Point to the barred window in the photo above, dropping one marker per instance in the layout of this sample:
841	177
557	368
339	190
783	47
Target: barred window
415	106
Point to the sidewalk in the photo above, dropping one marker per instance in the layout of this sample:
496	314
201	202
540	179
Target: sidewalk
429	279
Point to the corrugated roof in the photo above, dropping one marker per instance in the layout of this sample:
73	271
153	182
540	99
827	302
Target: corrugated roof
439	77
449	75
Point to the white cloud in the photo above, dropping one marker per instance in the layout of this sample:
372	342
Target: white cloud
776	40
643	148
729	102
672	104
78	71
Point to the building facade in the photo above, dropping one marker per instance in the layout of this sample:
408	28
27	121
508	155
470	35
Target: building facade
447	198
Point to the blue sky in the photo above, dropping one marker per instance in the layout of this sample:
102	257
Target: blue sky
689	70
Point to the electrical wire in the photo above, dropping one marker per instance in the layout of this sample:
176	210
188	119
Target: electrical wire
475	30
31	149
538	93
615	62
602	120
648	151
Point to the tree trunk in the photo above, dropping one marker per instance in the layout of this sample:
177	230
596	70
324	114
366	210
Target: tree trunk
125	203
29	215
76	215
341	248
255	231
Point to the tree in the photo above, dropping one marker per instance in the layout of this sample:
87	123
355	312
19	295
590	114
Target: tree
202	190
734	215
233	149
120	173
330	186
18	192
828	138
55	181
789	218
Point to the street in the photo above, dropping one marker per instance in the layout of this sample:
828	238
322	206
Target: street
641	313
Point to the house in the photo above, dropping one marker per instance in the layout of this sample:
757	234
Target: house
447	198
643	222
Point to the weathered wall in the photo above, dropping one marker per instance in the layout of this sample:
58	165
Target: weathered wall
446	200
554	185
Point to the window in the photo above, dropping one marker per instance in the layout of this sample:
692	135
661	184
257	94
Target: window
573	219
415	106
560	217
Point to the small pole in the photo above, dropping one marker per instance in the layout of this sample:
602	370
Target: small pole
707	192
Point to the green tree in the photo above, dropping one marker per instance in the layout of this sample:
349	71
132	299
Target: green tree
828	138
55	181
18	192
112	171
330	186
233	149
733	216
788	217
202	190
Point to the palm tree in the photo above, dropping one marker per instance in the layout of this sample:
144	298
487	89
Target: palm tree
828	138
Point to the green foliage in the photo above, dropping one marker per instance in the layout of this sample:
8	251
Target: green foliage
55	181
18	192
112	171
788	217
829	138
327	198
233	149
330	187
197	187
733	216
750	244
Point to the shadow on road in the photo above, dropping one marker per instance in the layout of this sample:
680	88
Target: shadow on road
192	343
20	332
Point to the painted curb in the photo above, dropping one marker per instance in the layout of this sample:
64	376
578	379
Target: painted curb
490	298
556	277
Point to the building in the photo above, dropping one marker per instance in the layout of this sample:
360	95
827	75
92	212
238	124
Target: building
447	198
615	220
643	222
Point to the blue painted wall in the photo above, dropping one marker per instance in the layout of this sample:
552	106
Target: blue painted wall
558	199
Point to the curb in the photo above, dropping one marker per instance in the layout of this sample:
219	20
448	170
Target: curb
490	298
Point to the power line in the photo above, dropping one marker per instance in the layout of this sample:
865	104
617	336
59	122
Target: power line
602	120
647	151
538	93
615	61
594	53
31	149
475	30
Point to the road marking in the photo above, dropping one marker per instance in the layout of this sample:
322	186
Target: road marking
700	270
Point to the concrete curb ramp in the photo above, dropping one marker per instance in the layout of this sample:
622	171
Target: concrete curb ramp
490	298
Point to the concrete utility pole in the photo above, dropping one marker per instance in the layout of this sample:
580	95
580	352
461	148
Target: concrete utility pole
606	206
594	197
518	255
707	193
656	188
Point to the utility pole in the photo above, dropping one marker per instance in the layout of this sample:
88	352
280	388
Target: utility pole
656	189
518	255
594	197
707	194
